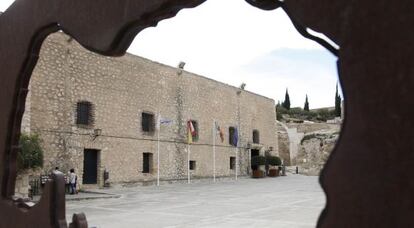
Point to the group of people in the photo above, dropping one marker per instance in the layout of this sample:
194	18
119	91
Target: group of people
71	180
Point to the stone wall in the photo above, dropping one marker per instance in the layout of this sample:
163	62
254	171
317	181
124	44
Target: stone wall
22	187
314	152
307	154
120	89
283	144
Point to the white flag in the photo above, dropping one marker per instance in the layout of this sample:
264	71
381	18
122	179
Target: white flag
161	120
165	121
157	126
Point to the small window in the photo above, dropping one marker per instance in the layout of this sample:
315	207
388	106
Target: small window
233	137
84	113
192	165
147	163
148	122
256	136
232	163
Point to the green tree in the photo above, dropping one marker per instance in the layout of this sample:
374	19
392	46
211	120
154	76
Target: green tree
31	154
306	107
286	103
338	101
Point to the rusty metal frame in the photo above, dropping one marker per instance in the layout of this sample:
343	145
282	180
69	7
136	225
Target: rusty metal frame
367	179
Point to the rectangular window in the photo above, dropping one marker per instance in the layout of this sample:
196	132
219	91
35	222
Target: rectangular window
233	137
147	163
195	125
192	165
148	122
256	136
232	162
84	113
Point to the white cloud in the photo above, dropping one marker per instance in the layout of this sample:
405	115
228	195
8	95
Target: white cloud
219	38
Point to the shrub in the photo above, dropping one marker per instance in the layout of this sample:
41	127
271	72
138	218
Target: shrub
325	114
258	160
273	160
31	154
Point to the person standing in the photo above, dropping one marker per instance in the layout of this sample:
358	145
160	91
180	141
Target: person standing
72	181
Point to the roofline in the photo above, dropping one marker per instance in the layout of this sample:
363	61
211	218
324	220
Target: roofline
197	75
132	56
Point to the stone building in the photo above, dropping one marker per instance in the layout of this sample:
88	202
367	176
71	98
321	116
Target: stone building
97	113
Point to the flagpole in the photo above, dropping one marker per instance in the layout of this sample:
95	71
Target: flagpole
188	162
214	150
237	162
158	150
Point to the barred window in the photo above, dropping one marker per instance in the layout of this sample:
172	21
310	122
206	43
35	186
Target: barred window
232	131
232	163
256	136
84	113
148	122
192	165
147	163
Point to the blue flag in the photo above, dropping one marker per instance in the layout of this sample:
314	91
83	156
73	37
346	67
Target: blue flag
235	137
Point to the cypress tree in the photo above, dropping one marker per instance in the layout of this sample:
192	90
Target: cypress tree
337	102
286	103
306	108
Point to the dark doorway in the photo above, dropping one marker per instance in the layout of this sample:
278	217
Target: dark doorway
90	166
253	154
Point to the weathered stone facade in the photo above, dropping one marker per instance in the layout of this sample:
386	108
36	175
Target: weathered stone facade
120	89
307	145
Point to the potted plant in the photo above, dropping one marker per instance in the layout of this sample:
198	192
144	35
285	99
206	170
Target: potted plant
274	162
257	163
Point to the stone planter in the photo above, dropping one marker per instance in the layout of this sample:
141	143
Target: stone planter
273	173
258	173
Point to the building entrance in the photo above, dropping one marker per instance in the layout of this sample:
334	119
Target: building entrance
90	166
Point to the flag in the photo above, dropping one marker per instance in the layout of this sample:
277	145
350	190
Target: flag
235	137
165	121
190	127
190	132
157	126
220	131
160	121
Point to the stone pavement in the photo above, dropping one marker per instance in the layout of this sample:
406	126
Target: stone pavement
84	196
292	201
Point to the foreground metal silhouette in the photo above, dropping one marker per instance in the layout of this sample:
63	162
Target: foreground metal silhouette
367	179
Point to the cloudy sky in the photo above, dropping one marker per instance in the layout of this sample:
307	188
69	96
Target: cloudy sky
233	42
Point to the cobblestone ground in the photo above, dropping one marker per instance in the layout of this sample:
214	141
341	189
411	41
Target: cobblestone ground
292	201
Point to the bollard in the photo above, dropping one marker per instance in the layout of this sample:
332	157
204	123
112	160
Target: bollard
297	170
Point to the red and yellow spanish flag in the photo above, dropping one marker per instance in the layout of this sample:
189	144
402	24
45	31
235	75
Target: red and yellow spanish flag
220	131
190	132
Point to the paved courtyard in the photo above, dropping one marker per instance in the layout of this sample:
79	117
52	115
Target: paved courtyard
292	201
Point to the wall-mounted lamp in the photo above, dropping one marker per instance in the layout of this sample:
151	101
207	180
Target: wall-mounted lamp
180	67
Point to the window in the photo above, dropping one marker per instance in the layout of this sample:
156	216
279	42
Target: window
232	162
147	163
148	122
192	165
256	136
195	125
84	113
233	137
